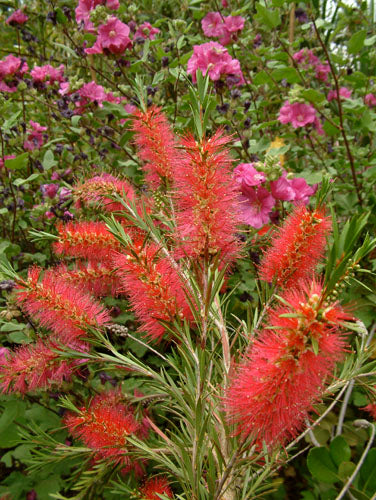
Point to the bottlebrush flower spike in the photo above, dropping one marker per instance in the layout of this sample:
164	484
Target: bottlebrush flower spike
34	366
87	240
105	426
154	288
154	486
207	199
285	370
297	247
97	279
156	143
99	189
60	306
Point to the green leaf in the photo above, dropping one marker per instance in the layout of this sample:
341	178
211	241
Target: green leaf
312	95
48	160
11	121
345	470
261	78
321	466
20	182
268	17
367	471
288	74
370	41
11	412
356	42
340	450
16	163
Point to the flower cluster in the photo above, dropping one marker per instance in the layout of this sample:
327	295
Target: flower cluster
285	370
12	70
154	288
214	59
85	7
17	18
156	144
257	202
34	366
100	188
225	28
296	247
104	426
343	93
59	306
308	60
47	74
300	114
154	487
207	200
35	138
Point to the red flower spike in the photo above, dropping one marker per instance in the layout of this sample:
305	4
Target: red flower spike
297	247
34	366
99	189
60	306
155	485
86	240
105	426
207	200
154	288
285	371
97	279
156	143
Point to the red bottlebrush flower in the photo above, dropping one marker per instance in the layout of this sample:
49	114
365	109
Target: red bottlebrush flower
97	279
156	143
60	306
105	426
207	200
87	240
297	247
34	366
285	370
154	486
371	409
154	288
99	190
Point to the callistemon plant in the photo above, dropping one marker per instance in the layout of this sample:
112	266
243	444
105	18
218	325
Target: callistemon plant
218	402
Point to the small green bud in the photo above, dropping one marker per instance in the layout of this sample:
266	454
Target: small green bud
22	86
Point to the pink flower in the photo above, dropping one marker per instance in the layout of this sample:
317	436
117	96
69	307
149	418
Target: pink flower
113	36
370	100
49	190
255	206
18	17
232	25
302	190
90	92
48	74
212	24
282	189
65	193
245	174
86	6
306	58
64	88
343	92
298	114
145	31
35	138
213	58
322	71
